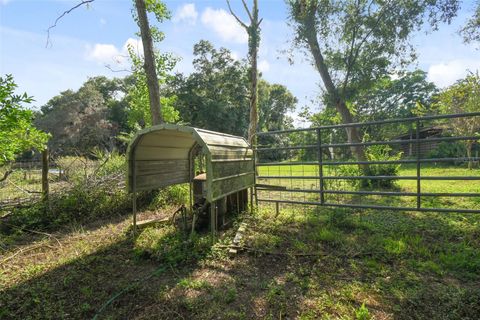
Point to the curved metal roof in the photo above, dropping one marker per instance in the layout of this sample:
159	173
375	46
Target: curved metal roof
170	141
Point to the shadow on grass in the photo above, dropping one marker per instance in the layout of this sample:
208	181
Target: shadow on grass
391	261
209	285
63	215
400	265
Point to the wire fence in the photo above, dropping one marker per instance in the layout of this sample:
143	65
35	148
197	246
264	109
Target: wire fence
23	182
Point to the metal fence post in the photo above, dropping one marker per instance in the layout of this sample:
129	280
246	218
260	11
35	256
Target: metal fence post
419	201
320	164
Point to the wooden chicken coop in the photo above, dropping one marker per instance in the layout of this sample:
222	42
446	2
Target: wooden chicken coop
218	167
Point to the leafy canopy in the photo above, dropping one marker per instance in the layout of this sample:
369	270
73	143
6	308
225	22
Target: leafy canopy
363	41
17	132
215	95
79	121
137	97
396	98
462	97
471	30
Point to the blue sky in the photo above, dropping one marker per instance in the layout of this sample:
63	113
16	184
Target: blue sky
89	38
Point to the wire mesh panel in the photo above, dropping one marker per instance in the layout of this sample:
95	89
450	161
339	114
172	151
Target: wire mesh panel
422	164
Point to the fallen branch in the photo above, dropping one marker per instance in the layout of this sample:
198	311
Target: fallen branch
280	253
23	190
34	231
6	174
22	250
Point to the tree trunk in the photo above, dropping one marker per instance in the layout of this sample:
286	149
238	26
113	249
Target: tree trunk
253	43
469	154
149	63
252	128
340	105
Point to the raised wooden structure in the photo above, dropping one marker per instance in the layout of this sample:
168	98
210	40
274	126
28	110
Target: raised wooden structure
165	155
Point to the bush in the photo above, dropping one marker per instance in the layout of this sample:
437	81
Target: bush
176	194
380	153
94	189
372	153
448	150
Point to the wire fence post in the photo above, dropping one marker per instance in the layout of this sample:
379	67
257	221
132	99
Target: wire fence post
320	164
419	179
45	186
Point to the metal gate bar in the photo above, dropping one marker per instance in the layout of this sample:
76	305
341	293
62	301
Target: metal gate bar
317	144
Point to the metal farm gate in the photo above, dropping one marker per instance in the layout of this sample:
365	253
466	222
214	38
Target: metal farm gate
415	164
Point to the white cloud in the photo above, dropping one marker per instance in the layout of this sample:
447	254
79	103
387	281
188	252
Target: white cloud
102	53
446	73
109	53
224	25
186	13
103	21
4	2
263	66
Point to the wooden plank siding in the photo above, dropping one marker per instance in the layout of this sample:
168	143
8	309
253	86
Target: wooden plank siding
152	174
223	169
223	188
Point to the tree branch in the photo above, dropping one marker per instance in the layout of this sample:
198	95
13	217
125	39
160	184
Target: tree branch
248	10
6	174
351	50
62	15
235	16
364	39
109	67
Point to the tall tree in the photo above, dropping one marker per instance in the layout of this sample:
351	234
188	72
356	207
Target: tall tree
354	43
253	31
215	95
274	101
149	34
395	98
461	97
78	121
149	55
17	132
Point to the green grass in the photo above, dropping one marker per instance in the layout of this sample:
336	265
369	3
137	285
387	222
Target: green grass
427	186
303	263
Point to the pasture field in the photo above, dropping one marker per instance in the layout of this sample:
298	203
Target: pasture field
428	186
304	263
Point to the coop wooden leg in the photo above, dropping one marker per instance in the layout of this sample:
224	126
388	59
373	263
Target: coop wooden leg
194	220
213	219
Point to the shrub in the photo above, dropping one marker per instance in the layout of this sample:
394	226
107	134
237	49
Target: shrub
93	189
380	153
176	194
448	150
372	153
